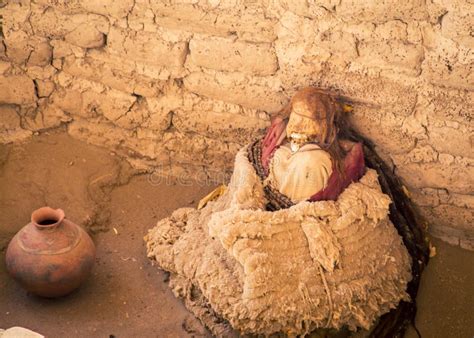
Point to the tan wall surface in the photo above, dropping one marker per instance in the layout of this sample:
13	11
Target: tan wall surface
180	85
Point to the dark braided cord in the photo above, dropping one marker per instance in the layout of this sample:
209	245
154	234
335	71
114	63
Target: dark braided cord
276	200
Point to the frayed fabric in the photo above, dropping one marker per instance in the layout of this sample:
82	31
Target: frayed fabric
326	264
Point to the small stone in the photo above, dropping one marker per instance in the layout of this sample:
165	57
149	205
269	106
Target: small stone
41	54
17	89
86	36
446	158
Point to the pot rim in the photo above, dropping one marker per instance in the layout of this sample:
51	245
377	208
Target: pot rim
47	213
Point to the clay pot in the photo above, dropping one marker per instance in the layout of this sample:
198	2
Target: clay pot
51	256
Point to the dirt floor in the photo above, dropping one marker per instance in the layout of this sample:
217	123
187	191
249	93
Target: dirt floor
126	296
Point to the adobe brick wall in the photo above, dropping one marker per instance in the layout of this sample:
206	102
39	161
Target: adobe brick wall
180	85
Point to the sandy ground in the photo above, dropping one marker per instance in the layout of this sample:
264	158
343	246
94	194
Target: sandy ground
126	296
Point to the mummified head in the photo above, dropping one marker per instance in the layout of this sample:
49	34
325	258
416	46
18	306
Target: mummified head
315	116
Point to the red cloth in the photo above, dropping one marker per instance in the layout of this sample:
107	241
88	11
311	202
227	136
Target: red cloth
272	140
354	169
354	164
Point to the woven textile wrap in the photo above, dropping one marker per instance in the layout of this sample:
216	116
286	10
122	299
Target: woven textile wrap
324	264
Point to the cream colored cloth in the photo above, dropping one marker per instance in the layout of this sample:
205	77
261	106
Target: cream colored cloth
325	264
301	174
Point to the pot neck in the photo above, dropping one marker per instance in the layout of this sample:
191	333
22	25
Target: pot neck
47	218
